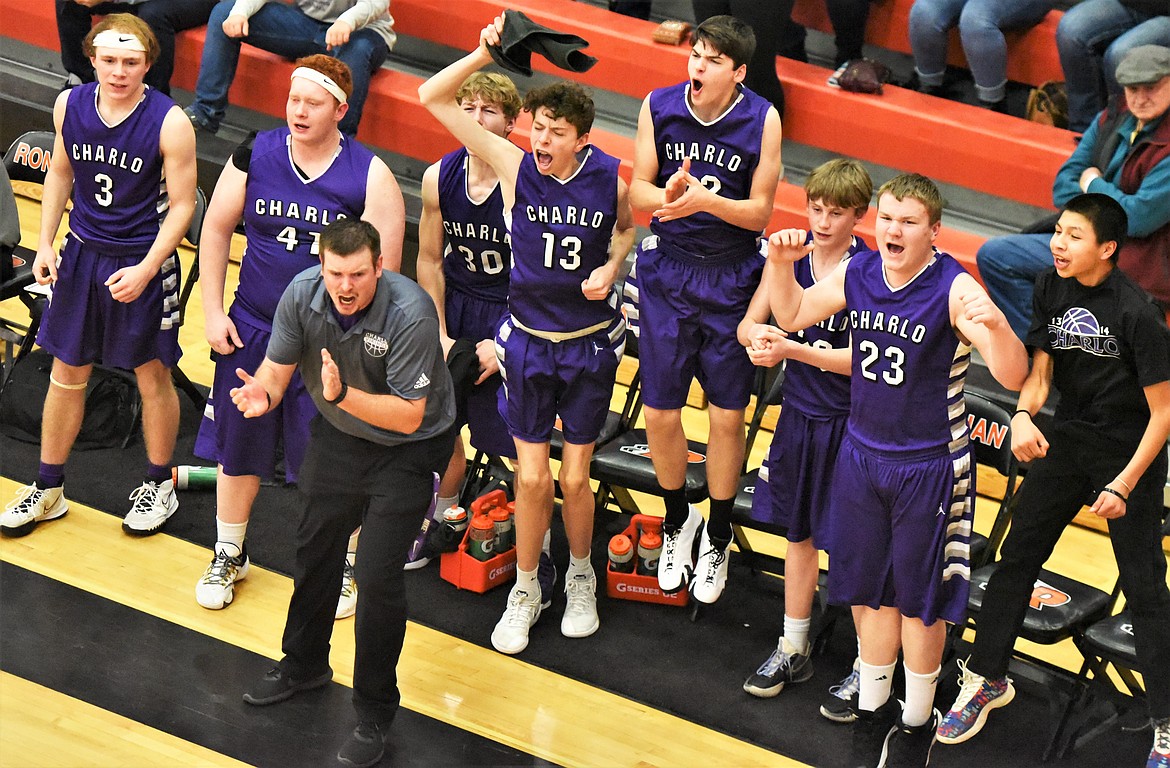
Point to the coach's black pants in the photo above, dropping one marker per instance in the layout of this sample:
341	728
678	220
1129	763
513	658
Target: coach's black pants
1077	466
347	482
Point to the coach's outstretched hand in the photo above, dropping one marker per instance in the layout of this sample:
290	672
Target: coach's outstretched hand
252	398
788	245
330	376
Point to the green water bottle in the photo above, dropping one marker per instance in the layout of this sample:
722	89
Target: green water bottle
188	478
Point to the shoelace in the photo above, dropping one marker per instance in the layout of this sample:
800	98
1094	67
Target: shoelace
717	557
1162	736
579	594
348	581
777	661
144	496
969	685
520	611
848	687
218	572
26	498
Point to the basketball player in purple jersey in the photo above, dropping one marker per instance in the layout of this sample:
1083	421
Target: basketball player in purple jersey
125	156
706	163
901	500
464	260
287	183
793	491
571	225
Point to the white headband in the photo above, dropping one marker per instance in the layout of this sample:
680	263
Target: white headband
322	80
112	38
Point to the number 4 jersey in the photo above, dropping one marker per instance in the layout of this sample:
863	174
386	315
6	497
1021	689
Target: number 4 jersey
478	256
561	229
284	213
118	191
909	364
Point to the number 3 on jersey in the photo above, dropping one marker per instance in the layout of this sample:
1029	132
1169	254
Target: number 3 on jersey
572	245
288	236
893	375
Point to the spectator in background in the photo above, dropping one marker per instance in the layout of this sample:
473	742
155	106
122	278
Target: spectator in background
766	20
1125	154
848	18
981	24
639	9
358	32
1093	38
164	17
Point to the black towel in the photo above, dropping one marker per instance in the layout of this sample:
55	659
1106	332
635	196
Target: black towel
522	36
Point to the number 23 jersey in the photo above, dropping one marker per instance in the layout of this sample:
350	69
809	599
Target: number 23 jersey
909	364
284	213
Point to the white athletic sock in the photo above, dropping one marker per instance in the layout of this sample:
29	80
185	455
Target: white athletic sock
526	580
578	565
229	537
796	633
446	502
919	696
876	683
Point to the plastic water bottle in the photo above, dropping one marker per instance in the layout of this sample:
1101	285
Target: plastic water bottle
452	528
192	478
621	554
501	518
481	541
649	550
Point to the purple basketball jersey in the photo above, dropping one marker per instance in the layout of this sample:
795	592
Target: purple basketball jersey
810	390
119	195
561	231
478	256
909	365
724	154
284	214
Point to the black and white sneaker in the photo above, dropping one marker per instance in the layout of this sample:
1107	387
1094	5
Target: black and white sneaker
154	503
676	564
840	705
784	666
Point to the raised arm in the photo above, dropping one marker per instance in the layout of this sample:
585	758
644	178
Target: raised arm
54	197
438	96
429	268
975	316
224	210
387	212
796	308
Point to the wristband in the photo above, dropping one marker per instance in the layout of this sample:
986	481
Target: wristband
1115	493
340	395
1022	410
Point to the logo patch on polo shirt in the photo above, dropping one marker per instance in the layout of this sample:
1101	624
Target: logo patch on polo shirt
423	381
376	346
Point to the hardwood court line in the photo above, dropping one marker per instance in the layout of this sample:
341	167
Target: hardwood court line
453	681
41	728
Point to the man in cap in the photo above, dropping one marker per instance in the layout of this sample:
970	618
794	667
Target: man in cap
1123	154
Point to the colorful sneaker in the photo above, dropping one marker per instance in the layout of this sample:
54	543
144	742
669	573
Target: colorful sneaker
420	552
711	571
580	619
871	734
676	566
216	589
909	746
154	503
838	707
546	574
511	633
977	697
32	505
1160	752
347	602
784	666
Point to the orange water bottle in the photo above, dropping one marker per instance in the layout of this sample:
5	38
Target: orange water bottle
621	554
481	540
649	550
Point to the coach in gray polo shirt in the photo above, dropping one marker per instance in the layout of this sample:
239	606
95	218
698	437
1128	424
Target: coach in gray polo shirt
367	343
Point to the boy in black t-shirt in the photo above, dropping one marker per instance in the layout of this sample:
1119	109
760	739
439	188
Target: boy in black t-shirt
1103	343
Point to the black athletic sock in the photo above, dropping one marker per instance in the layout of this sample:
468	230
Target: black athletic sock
719	524
676	508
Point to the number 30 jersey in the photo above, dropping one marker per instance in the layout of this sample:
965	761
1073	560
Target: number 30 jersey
561	230
478	255
909	364
284	213
118	191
